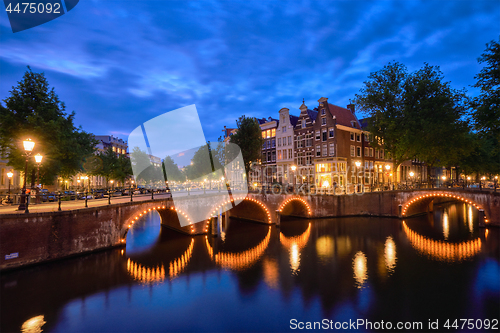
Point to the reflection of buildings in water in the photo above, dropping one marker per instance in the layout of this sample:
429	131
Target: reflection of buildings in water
239	261
33	325
470	219
390	254
440	250
271	272
324	247
157	274
360	268
446	225
295	245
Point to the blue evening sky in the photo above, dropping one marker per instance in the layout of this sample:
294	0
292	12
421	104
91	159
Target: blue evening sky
120	63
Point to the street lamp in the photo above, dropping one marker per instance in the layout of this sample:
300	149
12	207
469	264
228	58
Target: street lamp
358	164
294	167
28	148
38	159
443	178
388	167
411	175
9	175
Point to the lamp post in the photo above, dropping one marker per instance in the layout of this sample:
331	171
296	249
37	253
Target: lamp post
28	148
495	181
466	183
444	179
411	176
38	159
294	167
358	164
9	175
388	167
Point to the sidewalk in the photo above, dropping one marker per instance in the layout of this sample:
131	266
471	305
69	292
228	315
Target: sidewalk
78	204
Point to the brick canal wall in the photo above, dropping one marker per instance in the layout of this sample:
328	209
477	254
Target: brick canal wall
39	237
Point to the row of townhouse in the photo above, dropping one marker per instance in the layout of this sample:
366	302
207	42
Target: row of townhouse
324	146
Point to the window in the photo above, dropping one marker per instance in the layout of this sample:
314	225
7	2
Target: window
309	158
273	154
268	144
300	158
317	135
309	140
269	156
330	132
290	153
299	141
279	143
323	121
273	143
367	137
358	137
323	112
303	123
264	145
268	133
290	140
318	150
263	134
353	151
283	129
279	155
332	149
273	132
325	150
358	151
367	151
114	148
376	153
324	135
352	136
371	152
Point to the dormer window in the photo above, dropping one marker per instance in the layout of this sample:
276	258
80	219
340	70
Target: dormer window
353	123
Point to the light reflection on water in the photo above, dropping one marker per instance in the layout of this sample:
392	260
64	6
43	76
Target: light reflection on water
260	277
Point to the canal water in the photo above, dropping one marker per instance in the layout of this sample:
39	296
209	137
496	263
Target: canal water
427	269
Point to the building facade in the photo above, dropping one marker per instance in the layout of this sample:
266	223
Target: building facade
285	151
304	147
268	161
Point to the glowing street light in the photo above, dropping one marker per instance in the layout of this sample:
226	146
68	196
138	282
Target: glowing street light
9	175
28	148
38	160
293	167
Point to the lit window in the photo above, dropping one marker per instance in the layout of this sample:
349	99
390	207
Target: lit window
273	132
114	149
268	133
263	134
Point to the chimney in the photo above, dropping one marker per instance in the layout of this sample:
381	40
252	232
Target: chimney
351	107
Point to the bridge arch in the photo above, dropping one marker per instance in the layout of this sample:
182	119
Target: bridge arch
284	207
244	209
430	196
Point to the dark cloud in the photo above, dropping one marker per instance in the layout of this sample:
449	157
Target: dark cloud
120	63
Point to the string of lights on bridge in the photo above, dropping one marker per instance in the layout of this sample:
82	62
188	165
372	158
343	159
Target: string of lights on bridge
444	195
280	209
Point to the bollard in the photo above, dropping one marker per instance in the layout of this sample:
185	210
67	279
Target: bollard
86	195
131	193
109	197
152	194
59	201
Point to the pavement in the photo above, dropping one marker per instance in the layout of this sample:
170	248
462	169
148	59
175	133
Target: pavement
77	204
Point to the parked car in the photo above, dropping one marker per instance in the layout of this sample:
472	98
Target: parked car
51	197
116	194
98	194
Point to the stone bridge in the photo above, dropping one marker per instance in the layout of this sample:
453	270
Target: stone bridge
37	237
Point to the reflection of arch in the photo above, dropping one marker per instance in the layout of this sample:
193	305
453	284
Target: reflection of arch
239	261
280	209
440	195
157	274
442	250
135	218
300	240
226	205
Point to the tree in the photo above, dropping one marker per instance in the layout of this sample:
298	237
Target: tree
486	106
34	111
144	171
434	115
249	139
382	98
172	171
